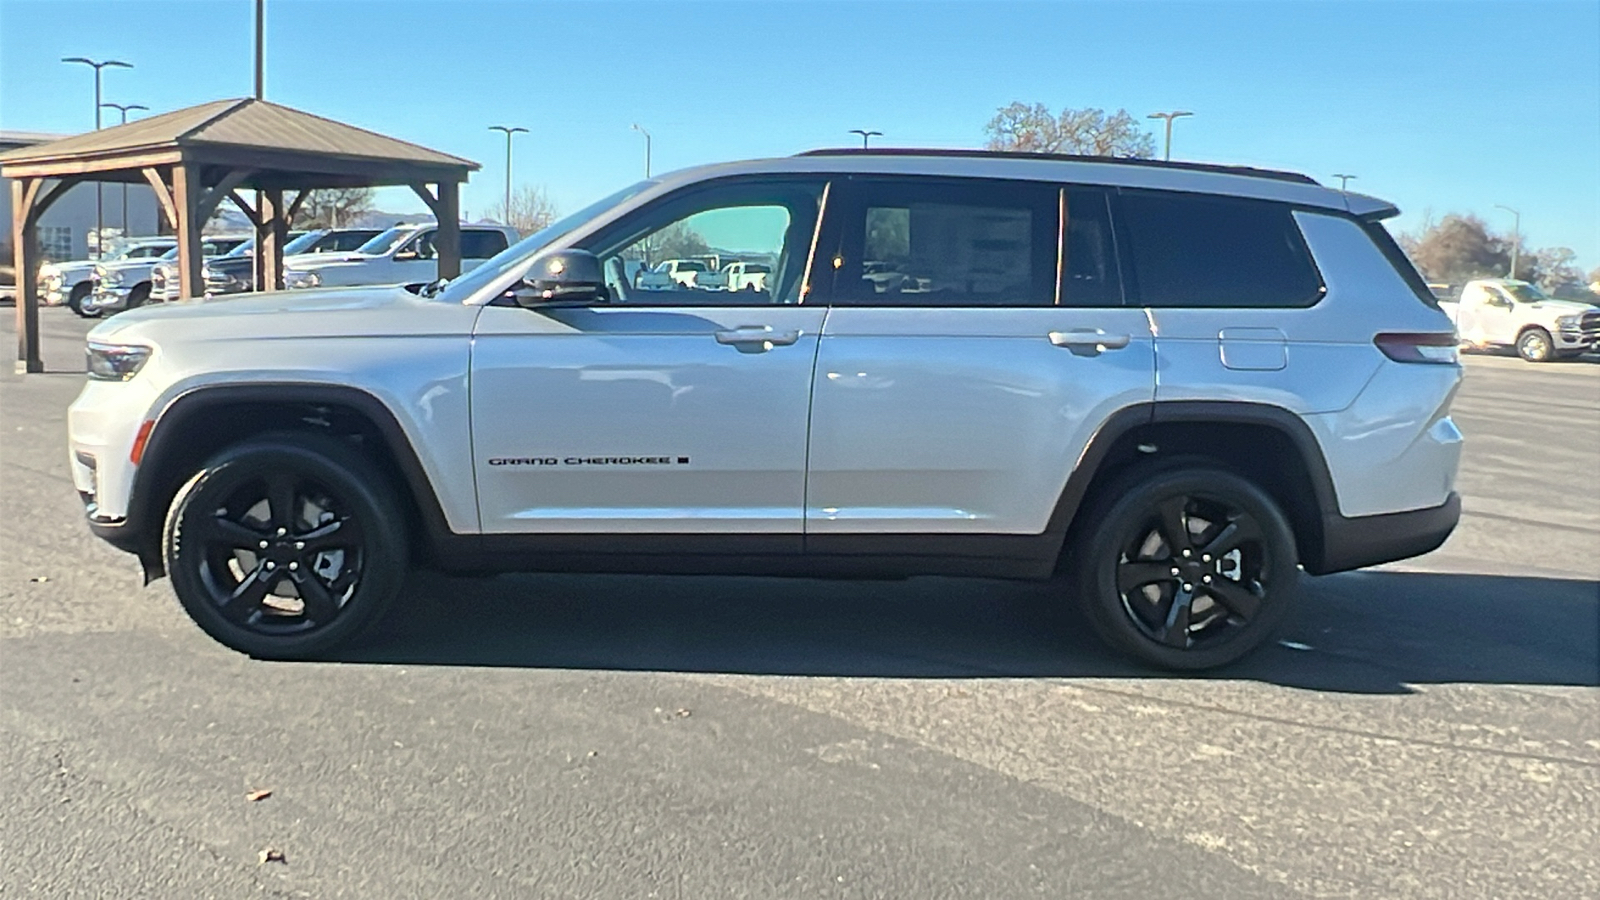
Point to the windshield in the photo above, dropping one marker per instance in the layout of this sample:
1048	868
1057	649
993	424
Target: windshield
1525	293
524	250
302	242
383	243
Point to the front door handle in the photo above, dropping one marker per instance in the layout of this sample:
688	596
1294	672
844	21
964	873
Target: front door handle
756	338
1088	341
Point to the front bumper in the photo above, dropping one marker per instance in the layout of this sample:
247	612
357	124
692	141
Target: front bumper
108	299
1353	542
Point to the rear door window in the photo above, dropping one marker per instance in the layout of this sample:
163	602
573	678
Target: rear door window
942	242
1194	250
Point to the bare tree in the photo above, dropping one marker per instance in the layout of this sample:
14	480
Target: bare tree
333	207
1554	267
1459	248
531	209
1088	132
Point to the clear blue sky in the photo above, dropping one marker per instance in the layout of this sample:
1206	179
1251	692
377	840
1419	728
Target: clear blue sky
1440	107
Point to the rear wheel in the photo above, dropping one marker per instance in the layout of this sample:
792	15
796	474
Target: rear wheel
1185	566
1535	345
285	547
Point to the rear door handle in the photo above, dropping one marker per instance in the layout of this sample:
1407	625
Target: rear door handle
1088	341
756	338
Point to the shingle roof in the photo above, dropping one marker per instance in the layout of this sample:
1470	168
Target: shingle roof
246	123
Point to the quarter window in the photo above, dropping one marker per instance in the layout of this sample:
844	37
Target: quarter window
928	242
1201	251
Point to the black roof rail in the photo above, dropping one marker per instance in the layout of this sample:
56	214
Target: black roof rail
1249	171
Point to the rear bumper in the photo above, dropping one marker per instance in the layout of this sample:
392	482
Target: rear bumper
1351	542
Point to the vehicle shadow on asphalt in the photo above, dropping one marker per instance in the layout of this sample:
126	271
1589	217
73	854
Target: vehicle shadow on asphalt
1362	632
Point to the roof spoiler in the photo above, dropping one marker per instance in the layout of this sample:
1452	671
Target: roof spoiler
1370	209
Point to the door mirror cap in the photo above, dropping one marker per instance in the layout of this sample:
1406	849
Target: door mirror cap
563	276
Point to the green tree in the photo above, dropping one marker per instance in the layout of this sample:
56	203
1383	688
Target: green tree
1088	132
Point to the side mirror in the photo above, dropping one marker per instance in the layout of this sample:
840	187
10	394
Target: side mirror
563	276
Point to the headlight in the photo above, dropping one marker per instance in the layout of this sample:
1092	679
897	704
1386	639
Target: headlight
112	277
302	280
1568	322
116	362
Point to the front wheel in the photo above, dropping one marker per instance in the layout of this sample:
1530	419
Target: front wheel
1185	566
1535	345
80	292
138	296
286	546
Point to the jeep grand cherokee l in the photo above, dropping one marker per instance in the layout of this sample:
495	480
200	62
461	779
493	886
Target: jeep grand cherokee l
1168	388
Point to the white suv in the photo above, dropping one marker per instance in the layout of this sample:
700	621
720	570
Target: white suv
1168	386
403	254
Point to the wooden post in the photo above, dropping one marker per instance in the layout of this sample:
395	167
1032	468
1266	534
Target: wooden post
270	238
186	193
25	244
448	241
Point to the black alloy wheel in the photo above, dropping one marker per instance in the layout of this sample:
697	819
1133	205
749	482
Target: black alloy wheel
285	547
1187	568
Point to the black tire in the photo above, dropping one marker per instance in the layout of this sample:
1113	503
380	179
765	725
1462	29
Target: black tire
137	296
1535	345
76	297
298	511
1237	568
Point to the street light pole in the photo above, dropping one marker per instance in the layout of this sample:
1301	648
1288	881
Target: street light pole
1169	116
865	135
639	128
1516	244
1343	180
99	195
123	108
505	213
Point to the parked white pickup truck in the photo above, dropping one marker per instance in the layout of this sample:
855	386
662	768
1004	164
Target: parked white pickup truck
670	274
1498	313
402	255
746	276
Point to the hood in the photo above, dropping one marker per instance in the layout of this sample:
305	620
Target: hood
1564	307
310	262
327	313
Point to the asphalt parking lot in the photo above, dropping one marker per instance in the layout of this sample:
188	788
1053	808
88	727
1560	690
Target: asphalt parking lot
1426	730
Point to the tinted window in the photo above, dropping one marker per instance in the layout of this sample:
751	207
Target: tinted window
343	241
481	244
1089	264
1193	250
926	242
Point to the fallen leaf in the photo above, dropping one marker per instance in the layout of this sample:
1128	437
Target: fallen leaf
271	854
683	713
262	794
39	579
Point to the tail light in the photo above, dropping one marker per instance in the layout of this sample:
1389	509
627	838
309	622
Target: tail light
1435	347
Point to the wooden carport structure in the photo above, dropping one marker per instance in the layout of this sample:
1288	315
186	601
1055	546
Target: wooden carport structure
195	158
